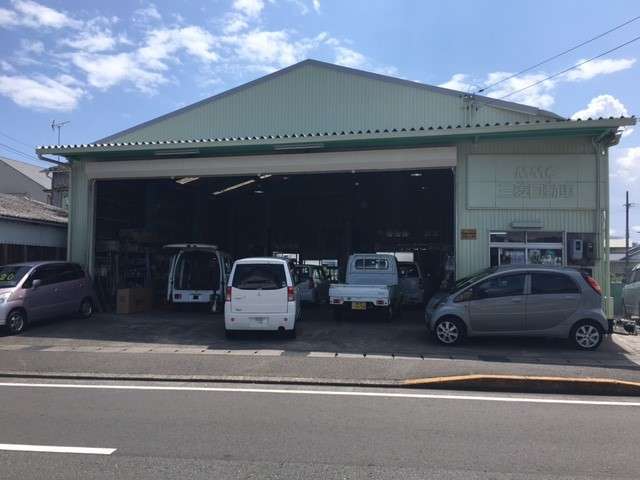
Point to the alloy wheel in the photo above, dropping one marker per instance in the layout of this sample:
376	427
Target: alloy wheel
587	336
447	332
15	322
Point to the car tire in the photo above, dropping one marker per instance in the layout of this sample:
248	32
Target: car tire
449	331
86	308
587	335
16	322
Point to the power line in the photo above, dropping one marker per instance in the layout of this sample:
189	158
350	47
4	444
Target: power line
571	68
16	140
18	152
558	55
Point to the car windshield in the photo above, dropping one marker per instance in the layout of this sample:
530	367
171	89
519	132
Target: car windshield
260	276
466	281
10	275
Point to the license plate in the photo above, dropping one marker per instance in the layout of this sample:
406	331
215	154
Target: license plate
259	320
358	305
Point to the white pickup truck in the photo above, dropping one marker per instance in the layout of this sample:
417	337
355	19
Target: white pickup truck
372	284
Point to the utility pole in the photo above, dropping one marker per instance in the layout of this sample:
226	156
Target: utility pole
627	206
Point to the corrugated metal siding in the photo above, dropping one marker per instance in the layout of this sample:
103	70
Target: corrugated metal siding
24	233
473	255
313	98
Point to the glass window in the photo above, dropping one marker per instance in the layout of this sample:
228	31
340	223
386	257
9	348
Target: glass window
500	286
372	264
11	275
302	273
259	276
506	237
408	270
47	274
544	237
550	283
197	270
545	256
512	256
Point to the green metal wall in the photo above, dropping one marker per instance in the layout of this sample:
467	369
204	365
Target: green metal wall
473	255
317	98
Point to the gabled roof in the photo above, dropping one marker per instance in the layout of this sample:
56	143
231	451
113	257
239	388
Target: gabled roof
33	172
317	96
17	207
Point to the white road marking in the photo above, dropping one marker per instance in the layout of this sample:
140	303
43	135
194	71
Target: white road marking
346	393
15	447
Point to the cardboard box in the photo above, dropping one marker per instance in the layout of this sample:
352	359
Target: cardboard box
134	300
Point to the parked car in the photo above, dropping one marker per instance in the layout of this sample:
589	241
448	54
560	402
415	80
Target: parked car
631	296
524	300
198	274
36	291
372	284
261	295
411	282
312	283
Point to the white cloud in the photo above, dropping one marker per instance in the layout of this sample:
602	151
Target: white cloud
316	5
250	8
602	106
32	14
348	57
148	13
6	66
627	165
538	96
636	228
162	44
41	93
31	46
599	67
271	48
234	23
97	41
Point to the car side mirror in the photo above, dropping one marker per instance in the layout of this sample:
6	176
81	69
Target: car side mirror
464	296
36	283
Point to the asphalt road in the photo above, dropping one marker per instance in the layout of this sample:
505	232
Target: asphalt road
226	431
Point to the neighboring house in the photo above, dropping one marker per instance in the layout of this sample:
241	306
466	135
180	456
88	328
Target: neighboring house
59	192
617	257
20	178
31	230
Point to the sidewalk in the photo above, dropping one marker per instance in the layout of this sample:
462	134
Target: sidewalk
191	344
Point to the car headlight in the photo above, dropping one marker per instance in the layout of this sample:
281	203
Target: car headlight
4	297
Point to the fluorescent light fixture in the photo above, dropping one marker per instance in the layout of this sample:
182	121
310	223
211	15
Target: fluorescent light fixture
168	153
185	180
301	146
258	191
262	177
233	187
416	174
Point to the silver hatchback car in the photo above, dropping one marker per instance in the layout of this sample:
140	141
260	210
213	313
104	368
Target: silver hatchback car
40	290
525	300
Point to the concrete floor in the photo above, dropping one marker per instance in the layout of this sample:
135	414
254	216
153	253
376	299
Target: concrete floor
192	331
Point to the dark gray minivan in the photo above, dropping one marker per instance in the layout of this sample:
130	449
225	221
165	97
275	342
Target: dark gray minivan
39	290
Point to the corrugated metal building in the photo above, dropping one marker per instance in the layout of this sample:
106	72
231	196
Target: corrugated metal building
526	185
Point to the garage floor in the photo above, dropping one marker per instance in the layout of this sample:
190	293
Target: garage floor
318	335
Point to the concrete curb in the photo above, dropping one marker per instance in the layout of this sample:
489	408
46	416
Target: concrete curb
494	383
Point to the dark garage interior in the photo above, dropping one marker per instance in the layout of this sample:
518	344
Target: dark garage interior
316	216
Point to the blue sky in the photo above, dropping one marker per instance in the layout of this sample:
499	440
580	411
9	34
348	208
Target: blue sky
105	66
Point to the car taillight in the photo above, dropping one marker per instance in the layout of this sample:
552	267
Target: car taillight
593	284
228	296
291	294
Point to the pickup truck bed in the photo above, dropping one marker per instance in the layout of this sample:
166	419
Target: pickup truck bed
343	292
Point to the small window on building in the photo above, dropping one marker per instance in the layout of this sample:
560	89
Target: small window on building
507	237
525	247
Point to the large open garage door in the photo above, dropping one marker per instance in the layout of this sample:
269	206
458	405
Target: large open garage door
313	216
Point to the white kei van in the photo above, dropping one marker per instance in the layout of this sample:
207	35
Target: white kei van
261	295
198	274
